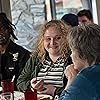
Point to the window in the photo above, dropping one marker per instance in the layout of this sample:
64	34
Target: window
69	6
27	15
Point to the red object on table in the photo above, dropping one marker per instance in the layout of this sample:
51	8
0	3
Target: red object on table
7	86
30	95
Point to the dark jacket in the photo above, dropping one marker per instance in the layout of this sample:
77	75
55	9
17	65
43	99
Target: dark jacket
32	69
86	86
13	61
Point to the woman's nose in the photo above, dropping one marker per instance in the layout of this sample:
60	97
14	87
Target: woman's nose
52	42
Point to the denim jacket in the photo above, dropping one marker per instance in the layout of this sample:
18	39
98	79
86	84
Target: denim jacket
86	86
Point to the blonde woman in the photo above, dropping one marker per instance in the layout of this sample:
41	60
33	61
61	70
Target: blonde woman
44	70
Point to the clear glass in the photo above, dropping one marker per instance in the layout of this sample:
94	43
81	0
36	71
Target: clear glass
7	96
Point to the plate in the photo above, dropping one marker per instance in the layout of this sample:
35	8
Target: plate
18	95
44	97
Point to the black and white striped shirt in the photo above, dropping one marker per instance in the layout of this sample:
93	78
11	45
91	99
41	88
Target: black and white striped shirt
52	73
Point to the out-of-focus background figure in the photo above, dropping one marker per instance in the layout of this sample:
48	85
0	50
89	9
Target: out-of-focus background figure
70	19
85	16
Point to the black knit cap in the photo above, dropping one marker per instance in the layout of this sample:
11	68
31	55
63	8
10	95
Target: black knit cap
6	24
70	19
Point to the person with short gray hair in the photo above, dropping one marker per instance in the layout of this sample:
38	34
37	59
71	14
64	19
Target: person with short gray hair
83	75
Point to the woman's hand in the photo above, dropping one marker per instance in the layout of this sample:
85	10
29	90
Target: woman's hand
70	74
38	85
48	89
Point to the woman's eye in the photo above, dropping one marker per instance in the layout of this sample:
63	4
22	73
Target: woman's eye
47	39
58	38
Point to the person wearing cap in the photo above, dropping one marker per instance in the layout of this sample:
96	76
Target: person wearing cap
70	19
12	56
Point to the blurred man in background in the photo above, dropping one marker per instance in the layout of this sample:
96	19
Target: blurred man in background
70	19
85	16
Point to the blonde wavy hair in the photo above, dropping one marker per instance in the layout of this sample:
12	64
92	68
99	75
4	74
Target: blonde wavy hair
39	49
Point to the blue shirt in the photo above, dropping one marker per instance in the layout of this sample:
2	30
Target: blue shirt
86	86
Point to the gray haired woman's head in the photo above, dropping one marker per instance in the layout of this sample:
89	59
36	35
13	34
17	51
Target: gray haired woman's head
85	39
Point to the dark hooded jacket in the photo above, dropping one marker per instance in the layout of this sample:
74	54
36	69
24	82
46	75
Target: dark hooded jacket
13	61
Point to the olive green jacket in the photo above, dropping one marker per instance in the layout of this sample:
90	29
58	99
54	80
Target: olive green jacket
31	70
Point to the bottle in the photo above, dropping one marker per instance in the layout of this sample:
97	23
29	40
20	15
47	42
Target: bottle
30	94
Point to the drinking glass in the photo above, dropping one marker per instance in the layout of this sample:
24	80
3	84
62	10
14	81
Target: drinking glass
7	86
30	95
7	96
